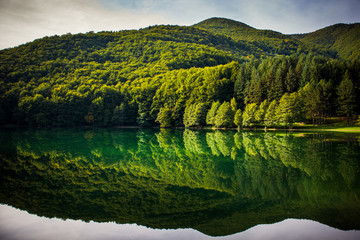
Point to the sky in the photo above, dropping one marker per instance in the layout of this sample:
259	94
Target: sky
23	21
17	224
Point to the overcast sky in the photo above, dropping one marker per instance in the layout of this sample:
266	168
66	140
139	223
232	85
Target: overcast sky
22	21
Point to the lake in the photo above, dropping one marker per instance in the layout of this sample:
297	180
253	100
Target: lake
178	184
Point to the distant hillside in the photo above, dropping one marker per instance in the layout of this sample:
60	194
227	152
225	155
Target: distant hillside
337	41
344	39
238	30
270	41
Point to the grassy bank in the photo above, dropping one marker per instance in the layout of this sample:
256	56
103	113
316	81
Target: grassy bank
355	129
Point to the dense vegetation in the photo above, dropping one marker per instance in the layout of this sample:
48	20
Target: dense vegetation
219	182
218	72
341	39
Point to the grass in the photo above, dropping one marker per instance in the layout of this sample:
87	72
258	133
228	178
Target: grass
331	129
337	126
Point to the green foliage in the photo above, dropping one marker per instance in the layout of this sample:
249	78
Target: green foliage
238	118
233	104
261	111
346	96
164	117
261	42
210	117
340	40
249	115
287	112
123	115
270	116
195	115
224	116
144	119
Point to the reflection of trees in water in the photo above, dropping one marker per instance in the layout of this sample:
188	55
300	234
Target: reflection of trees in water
214	154
148	174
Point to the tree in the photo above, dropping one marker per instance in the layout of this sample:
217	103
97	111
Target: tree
312	101
210	117
270	116
249	115
195	115
123	115
291	81
256	92
346	97
164	117
238	118
287	111
261	111
233	104
189	115
239	87
324	89
144	119
224	116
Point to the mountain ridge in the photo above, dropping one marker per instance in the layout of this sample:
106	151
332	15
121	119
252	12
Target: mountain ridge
342	38
335	39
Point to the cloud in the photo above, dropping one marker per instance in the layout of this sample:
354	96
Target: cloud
23	21
296	16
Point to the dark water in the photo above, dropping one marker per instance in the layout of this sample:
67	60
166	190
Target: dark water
216	182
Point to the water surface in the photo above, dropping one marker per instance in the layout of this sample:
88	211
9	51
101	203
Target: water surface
212	183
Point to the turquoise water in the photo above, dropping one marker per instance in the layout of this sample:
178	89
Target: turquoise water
217	183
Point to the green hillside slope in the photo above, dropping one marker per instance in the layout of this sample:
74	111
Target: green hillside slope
238	30
272	42
342	39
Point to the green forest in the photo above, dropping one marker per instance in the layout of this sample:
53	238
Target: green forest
218	73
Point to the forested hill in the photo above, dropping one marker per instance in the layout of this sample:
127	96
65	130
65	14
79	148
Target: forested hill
338	41
343	39
178	76
270	41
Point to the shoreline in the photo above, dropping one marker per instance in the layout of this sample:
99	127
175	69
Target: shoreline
352	129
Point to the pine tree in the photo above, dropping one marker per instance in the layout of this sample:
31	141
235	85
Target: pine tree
233	104
256	92
346	97
324	89
291	81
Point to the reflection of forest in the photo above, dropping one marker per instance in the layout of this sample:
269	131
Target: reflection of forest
218	182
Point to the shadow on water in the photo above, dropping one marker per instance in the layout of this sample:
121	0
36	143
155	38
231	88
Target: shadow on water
218	182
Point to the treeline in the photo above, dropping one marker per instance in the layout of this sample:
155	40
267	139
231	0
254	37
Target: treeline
275	91
278	91
282	91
